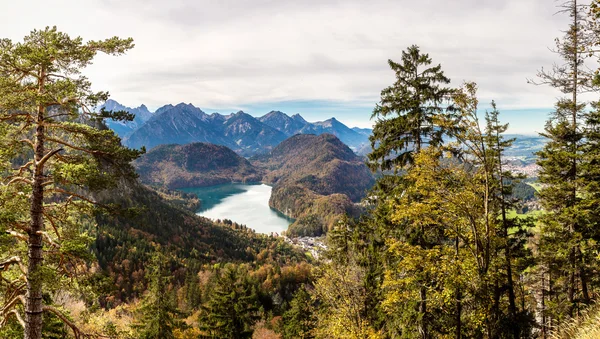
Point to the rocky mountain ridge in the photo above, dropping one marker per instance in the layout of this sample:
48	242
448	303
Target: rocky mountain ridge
243	133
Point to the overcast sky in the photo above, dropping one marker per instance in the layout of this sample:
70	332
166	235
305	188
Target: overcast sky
318	58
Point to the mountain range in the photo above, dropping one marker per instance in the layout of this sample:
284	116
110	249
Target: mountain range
243	133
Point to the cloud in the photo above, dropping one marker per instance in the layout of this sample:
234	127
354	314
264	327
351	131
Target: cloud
249	53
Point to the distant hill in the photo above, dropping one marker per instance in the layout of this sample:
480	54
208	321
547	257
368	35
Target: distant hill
355	138
347	135
316	179
363	131
245	134
525	147
194	165
284	123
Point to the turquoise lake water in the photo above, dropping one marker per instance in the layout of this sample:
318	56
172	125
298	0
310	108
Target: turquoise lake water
246	204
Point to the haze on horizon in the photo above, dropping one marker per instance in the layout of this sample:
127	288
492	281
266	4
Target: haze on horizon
317	58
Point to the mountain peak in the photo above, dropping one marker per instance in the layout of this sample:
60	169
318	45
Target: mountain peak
299	118
183	104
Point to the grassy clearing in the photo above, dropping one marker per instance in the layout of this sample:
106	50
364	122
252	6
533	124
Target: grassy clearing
586	326
536	185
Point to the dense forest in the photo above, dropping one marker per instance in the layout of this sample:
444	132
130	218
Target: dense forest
436	250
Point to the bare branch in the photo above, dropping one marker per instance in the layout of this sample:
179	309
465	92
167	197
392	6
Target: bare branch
20	179
49	239
51	220
27	141
78	333
73	194
18	235
18	316
15	260
46	157
64	143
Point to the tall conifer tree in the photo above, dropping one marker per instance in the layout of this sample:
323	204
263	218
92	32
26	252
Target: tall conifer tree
414	113
563	235
411	113
61	154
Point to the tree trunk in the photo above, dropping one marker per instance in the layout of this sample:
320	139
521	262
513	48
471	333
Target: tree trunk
583	277
33	304
33	307
458	294
423	312
571	288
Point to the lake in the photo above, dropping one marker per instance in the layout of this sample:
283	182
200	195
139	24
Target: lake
246	204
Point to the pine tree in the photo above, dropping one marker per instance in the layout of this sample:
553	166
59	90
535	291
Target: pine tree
61	154
460	205
232	306
158	309
563	235
411	112
298	320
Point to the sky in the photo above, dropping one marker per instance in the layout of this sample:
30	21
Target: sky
319	58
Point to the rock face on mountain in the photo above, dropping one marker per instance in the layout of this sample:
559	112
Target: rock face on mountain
316	180
184	123
124	128
180	124
363	131
245	134
284	123
250	135
354	138
194	165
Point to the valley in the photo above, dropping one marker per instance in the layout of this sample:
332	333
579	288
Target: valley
316	178
246	204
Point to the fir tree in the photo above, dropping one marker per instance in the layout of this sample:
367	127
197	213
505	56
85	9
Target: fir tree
158	310
298	320
232	307
411	113
563	235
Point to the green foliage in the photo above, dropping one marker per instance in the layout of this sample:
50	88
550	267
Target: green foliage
231	310
410	114
568	240
317	180
61	154
194	165
158	310
125	243
299	319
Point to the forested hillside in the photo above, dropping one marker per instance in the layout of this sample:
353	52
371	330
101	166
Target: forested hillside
194	165
316	179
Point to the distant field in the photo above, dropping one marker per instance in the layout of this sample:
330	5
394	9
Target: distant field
514	214
536	185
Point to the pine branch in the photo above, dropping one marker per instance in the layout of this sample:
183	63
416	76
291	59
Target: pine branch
15	260
46	157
